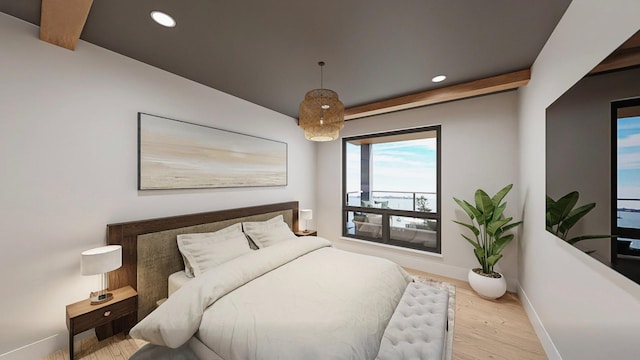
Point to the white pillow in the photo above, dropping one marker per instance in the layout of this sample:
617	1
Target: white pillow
267	233
205	251
188	269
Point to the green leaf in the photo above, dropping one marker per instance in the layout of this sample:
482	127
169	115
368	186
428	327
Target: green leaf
496	225
474	243
468	208
500	244
550	204
492	260
479	252
550	224
573	217
562	207
506	228
474	229
484	205
511	226
497	198
497	213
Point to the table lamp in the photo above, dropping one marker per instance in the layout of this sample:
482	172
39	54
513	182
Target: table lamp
306	215
100	261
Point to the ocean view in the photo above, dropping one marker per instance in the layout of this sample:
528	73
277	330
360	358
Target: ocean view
630	219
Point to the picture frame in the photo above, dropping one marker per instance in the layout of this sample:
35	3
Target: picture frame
175	154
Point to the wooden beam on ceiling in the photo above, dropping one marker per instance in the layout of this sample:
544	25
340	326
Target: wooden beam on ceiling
625	56
621	59
485	86
62	21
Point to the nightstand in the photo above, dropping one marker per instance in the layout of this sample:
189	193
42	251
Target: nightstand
306	233
82	316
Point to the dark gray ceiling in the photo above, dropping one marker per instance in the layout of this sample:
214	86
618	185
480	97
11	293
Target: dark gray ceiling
266	51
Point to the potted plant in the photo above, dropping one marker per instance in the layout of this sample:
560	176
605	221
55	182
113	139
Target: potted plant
489	226
561	217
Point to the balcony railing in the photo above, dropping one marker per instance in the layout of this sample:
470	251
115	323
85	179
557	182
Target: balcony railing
400	200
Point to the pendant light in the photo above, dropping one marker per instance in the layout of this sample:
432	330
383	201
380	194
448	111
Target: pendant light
321	113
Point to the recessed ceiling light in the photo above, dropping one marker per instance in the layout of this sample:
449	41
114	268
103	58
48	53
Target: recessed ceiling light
163	19
438	78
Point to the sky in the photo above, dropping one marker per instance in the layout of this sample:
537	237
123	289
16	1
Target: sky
397	166
629	160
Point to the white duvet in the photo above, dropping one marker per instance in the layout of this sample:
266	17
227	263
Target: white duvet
297	299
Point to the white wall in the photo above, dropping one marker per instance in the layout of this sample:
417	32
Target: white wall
585	310
479	150
68	147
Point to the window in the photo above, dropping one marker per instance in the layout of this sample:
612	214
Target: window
391	188
626	178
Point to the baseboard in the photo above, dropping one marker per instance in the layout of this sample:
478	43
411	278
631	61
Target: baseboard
36	350
547	344
44	347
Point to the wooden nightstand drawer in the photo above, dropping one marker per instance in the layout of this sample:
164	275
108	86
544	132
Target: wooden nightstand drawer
82	316
103	315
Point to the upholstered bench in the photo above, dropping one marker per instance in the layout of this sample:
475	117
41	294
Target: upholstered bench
418	327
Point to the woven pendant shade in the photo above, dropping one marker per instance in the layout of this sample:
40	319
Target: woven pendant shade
321	114
318	123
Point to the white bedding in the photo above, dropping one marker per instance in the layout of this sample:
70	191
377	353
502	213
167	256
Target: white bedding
302	300
177	280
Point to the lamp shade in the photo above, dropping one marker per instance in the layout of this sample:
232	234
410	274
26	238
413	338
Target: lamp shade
306	214
321	115
101	260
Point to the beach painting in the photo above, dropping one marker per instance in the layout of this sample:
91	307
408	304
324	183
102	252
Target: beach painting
174	154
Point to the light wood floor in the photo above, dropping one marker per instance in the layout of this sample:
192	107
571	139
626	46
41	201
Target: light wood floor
490	329
118	347
483	329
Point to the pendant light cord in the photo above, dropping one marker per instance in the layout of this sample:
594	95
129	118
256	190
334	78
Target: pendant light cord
321	63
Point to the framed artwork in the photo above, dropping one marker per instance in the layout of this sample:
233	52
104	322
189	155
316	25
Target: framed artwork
174	154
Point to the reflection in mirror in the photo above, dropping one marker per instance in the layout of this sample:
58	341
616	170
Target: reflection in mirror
625	184
582	156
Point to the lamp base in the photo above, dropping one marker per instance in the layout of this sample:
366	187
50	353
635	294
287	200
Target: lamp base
100	297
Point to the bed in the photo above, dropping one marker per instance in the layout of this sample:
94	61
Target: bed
296	298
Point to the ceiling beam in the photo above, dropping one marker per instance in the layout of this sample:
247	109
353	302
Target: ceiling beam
62	21
625	56
485	86
619	60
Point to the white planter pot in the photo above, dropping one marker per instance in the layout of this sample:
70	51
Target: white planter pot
487	287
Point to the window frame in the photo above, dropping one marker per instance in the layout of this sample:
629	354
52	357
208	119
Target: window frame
387	213
619	232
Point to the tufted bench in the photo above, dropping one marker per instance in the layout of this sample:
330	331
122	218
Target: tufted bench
418	327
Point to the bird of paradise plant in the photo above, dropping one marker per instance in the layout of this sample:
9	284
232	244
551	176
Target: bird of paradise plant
489	227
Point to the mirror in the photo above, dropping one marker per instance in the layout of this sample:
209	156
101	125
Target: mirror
593	162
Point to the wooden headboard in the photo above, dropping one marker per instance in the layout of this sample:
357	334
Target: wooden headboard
142	237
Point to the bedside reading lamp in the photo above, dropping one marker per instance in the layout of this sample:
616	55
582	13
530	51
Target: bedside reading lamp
100	261
306	215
